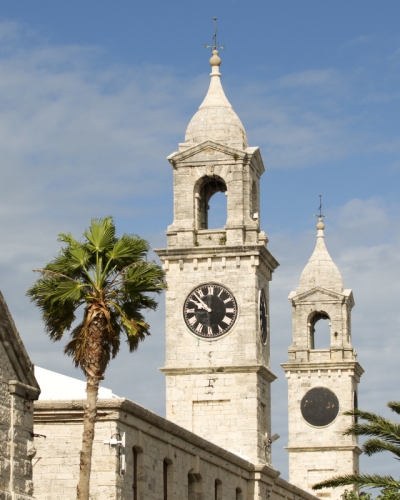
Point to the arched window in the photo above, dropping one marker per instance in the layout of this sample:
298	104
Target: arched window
192	490
255	205
320	330
167	478
211	203
355	405
239	495
135	474
217	211
218	490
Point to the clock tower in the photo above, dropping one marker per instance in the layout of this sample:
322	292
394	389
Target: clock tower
217	322
323	380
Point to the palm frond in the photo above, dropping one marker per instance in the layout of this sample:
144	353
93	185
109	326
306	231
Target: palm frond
67	238
384	429
129	249
394	406
79	257
144	277
375	445
68	290
371	480
101	234
364	415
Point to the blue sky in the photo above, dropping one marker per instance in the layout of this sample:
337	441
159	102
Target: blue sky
95	94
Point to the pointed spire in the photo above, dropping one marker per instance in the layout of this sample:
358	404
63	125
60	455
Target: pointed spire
216	120
320	269
215	97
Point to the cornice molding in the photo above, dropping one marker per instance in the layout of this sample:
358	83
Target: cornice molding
305	449
261	369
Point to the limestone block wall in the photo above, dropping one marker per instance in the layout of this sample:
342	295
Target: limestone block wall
57	470
230	409
310	466
16	431
157	453
20	440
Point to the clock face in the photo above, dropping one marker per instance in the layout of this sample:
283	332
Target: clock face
263	317
210	310
319	406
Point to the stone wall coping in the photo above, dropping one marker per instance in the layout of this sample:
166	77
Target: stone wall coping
23	390
261	369
15	349
279	482
324	365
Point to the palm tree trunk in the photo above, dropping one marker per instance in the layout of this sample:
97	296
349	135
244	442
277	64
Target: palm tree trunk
93	376
89	420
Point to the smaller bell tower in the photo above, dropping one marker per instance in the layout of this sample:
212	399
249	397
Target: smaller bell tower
322	382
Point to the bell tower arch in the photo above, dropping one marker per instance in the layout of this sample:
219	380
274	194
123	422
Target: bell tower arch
217	303
323	382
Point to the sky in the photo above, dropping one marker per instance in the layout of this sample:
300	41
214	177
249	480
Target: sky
94	95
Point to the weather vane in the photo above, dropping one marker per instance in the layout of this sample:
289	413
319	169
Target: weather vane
320	215
214	45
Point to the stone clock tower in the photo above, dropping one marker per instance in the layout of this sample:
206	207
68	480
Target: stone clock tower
217	358
322	382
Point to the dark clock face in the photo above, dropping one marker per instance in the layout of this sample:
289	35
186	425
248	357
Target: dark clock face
263	317
319	406
210	310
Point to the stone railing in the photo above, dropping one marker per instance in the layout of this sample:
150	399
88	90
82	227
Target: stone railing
211	237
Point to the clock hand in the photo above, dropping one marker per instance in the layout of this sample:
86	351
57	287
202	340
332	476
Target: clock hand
204	305
197	304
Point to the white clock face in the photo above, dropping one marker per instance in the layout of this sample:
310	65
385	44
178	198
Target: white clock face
210	310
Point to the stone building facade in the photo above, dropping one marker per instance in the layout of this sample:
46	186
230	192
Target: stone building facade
18	390
154	459
323	383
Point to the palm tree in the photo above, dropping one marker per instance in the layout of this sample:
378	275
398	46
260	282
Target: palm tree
385	437
105	279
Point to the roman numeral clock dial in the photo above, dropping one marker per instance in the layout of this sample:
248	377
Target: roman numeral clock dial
210	310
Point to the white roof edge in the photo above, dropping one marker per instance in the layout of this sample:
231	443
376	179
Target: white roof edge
56	386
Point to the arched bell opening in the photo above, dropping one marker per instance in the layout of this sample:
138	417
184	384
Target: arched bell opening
319	327
211	203
255	202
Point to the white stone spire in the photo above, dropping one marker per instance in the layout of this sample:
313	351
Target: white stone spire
216	120
320	269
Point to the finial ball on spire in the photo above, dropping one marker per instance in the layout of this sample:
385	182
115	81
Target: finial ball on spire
320	225
215	59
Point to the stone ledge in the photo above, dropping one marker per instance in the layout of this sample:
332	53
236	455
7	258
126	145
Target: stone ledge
23	390
325	365
190	253
299	449
261	369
